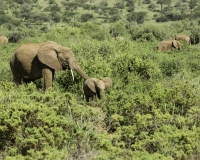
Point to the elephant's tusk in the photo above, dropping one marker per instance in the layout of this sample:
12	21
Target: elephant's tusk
72	74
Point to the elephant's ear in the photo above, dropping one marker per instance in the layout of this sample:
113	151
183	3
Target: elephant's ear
47	54
91	83
107	81
175	43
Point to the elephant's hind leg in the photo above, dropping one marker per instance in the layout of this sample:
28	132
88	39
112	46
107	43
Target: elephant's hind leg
17	78
87	98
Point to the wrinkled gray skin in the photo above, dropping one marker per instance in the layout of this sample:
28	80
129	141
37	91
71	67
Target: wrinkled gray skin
183	38
168	45
94	87
33	61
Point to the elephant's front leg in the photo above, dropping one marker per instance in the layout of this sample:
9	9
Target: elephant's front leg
48	75
99	95
94	97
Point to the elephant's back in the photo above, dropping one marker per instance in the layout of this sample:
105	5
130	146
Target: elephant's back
181	37
24	55
26	52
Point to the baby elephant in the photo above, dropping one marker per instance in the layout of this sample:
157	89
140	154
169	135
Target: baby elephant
94	86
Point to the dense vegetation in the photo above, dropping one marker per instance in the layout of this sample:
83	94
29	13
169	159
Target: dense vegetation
151	111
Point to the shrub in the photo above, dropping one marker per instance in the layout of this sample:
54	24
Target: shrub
93	30
15	36
152	6
39	124
20	1
119	5
103	4
170	66
174	16
146	1
195	35
144	68
162	18
117	29
51	1
4	18
55	7
56	17
147	33
86	17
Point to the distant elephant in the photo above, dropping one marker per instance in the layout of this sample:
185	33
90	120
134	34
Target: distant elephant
119	38
3	40
94	86
33	61
184	38
168	45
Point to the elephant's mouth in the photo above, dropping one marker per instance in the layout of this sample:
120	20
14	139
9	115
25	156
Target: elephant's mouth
67	66
64	68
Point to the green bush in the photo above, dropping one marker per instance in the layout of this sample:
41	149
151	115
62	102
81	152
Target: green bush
86	17
170	66
117	29
150	112
119	5
93	30
162	18
4	18
147	33
40	123
15	36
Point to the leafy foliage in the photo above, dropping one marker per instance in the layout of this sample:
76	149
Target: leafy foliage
150	112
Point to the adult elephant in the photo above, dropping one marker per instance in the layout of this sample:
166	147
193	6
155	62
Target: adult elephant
3	40
33	61
168	45
94	87
183	38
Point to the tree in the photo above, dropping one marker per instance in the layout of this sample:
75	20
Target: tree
70	6
55	8
164	2
146	2
137	16
131	5
119	5
140	17
86	17
192	4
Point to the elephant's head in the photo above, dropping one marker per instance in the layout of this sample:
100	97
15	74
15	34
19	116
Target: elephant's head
176	44
59	58
95	85
107	81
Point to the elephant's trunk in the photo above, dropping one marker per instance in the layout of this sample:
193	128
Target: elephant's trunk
80	72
